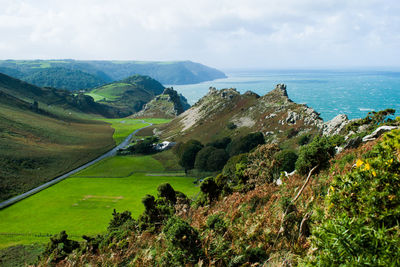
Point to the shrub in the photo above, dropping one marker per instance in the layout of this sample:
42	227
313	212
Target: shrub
304	139
286	160
119	219
318	152
211	159
59	247
220	143
210	188
361	224
231	126
187	154
245	143
217	223
183	240
165	190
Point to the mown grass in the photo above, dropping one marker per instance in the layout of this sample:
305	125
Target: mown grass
83	205
125	126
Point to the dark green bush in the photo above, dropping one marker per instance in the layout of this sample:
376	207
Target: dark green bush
220	143
187	153
318	152
245	143
286	160
183	241
217	223
304	139
119	219
165	190
59	247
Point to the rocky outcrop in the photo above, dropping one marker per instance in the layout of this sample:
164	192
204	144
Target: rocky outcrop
273	113
378	132
167	105
335	126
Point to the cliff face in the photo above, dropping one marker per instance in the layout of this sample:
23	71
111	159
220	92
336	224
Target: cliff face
167	105
226	112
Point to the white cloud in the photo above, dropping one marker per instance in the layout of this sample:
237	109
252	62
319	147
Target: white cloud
235	33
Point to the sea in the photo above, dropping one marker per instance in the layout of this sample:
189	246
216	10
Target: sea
329	92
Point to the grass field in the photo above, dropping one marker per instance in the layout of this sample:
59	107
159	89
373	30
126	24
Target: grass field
124	127
83	204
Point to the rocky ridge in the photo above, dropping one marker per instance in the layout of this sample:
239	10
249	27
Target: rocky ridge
167	105
274	114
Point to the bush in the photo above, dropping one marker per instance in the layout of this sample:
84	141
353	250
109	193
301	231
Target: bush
59	247
286	160
119	219
231	126
165	190
209	188
183	241
361	224
304	139
187	153
210	159
230	168
220	143
145	146
216	222
318	152
245	144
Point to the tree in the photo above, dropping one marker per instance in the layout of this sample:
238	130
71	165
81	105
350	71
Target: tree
187	154
165	190
245	143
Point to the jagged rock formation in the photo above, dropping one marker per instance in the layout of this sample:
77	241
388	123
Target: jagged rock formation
167	105
336	125
274	114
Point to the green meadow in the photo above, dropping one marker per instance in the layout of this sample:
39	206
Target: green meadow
125	126
83	203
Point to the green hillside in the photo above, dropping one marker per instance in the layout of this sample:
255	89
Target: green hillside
128	95
63	78
37	146
51	97
78	74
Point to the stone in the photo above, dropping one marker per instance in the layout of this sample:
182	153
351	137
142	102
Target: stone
335	125
292	117
378	132
353	142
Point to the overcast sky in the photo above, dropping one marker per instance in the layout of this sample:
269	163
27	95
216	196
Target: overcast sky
223	34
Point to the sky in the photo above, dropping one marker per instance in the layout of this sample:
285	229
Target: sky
225	34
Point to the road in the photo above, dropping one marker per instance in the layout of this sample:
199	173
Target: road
110	153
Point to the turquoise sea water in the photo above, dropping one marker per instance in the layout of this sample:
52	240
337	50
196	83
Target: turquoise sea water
329	92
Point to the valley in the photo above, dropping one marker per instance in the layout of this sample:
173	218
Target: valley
83	203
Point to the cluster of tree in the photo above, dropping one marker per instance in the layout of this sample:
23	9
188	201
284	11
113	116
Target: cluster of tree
213	156
144	146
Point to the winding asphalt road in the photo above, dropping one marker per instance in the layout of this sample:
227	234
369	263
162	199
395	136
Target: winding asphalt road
110	153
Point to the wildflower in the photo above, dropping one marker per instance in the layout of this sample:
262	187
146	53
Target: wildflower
359	162
374	173
367	166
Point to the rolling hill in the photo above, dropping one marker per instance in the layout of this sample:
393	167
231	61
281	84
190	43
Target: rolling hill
129	94
37	146
77	74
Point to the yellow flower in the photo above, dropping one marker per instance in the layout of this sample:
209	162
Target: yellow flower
391	197
359	162
332	189
374	173
367	166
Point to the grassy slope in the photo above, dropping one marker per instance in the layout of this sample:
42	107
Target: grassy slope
36	148
83	205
